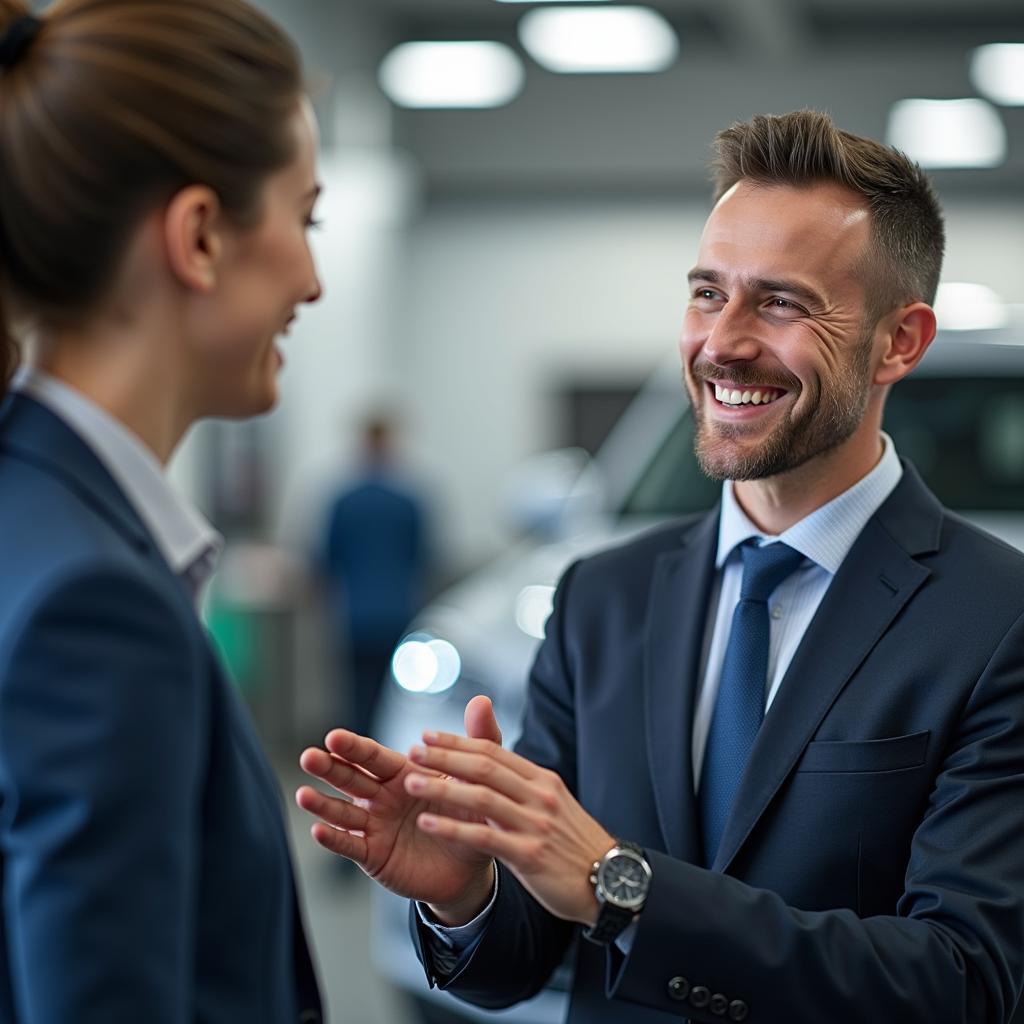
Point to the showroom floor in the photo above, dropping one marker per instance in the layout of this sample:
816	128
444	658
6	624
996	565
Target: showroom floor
338	915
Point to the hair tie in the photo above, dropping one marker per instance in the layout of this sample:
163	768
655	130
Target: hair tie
17	38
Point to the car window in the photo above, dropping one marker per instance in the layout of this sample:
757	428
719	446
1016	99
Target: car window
672	484
964	435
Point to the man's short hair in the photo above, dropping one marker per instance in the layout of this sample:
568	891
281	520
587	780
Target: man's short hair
805	148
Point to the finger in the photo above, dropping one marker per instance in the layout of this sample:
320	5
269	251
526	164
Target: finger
478	768
451	741
478	800
378	760
481	723
338	774
345	844
331	810
485	839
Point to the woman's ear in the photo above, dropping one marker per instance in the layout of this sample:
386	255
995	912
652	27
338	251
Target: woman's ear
908	333
193	224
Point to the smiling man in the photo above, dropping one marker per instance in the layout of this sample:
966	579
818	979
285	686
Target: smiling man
772	762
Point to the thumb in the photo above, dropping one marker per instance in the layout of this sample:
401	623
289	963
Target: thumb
480	721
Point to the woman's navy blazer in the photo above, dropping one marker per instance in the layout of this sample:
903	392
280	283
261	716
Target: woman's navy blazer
144	866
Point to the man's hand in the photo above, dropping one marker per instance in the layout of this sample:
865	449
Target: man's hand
502	805
376	825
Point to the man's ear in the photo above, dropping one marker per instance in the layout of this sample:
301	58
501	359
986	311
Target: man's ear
192	227
908	332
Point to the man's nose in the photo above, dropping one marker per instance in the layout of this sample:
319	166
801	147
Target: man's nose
733	336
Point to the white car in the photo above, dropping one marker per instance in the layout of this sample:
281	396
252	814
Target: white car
959	418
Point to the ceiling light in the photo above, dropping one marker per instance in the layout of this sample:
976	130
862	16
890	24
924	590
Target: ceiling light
997	71
457	74
599	39
963	306
948	133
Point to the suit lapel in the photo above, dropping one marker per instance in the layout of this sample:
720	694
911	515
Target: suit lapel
675	636
30	432
876	579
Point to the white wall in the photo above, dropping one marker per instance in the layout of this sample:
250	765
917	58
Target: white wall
504	301
340	357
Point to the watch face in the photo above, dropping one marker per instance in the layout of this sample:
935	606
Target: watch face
624	880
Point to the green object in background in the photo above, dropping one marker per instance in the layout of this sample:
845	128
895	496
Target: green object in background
234	632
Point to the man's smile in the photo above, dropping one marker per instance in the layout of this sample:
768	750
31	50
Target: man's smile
747	396
745	402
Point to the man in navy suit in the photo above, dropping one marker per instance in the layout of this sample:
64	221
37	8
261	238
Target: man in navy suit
772	762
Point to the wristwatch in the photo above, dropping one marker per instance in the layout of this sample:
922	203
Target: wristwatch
621	881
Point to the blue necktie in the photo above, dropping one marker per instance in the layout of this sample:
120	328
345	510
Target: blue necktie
739	708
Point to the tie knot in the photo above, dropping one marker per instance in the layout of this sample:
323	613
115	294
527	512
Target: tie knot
764	568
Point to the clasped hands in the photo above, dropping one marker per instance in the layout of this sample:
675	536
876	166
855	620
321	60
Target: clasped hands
429	826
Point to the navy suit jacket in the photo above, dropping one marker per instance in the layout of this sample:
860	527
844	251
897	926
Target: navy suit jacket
144	866
872	869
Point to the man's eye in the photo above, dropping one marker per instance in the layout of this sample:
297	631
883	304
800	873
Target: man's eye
705	293
784	305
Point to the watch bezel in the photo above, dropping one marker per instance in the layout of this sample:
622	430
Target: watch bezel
605	865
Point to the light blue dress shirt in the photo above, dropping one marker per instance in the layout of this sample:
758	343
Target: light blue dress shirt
824	538
187	541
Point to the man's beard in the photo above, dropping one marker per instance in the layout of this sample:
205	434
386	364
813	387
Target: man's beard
830	418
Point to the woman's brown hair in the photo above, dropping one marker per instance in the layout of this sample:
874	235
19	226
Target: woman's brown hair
108	111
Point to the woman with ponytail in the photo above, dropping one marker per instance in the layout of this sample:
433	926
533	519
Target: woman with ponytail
157	180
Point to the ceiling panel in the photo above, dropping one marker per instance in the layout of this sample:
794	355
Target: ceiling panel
636	133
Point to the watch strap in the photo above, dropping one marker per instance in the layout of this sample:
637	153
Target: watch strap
625	844
611	922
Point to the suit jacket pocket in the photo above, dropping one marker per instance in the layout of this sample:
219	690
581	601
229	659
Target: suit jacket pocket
885	755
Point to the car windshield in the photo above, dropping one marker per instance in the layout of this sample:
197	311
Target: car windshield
964	435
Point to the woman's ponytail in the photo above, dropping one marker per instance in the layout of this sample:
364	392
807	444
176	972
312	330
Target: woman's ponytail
10	353
16	34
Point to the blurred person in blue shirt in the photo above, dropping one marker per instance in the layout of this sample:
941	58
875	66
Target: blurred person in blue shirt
375	560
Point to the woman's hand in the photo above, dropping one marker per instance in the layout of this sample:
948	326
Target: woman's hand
374	821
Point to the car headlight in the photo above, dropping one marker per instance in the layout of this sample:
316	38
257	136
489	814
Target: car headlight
425	664
533	608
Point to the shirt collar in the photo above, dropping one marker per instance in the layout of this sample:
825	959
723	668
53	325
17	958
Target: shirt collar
827	534
181	533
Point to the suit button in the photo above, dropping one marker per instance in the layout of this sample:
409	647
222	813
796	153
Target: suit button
738	1010
719	1004
700	996
678	988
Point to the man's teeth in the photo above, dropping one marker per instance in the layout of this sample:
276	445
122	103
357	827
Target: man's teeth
731	396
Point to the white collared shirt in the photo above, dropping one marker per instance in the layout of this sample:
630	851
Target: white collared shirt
824	538
187	541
